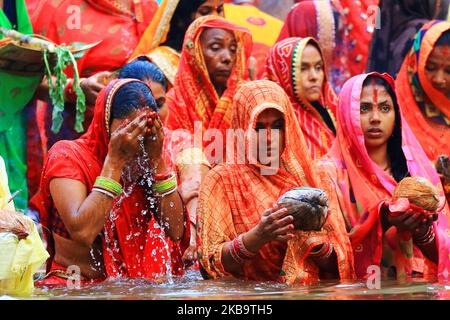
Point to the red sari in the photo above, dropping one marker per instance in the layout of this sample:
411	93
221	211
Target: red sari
341	27
119	32
193	97
134	245
283	66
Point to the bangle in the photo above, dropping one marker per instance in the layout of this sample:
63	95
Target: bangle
234	253
109	185
107	193
427	238
322	253
247	253
163	176
69	92
165	185
161	195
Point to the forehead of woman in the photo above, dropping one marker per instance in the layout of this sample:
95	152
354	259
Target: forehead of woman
375	94
219	34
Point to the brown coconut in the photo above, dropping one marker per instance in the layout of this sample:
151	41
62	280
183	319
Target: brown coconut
419	191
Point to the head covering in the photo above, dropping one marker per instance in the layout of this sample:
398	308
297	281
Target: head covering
399	22
234	196
193	97
283	66
83	160
341	28
425	108
364	185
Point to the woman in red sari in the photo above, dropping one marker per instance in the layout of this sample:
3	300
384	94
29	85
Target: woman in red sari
423	86
237	201
343	29
213	61
297	65
93	224
374	150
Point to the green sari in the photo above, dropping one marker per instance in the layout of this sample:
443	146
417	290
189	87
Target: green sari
15	93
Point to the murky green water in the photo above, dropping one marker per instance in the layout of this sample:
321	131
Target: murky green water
191	286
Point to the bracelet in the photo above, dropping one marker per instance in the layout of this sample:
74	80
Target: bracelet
161	195
69	92
109	194
322	253
234	254
427	238
108	184
163	176
247	253
165	185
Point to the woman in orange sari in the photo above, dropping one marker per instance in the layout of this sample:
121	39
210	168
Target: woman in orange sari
237	201
297	65
374	150
162	41
214	59
423	88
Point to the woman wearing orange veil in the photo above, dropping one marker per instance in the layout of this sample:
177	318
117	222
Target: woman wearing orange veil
298	66
213	61
423	87
162	41
242	232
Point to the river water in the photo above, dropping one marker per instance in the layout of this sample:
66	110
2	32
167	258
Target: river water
191	286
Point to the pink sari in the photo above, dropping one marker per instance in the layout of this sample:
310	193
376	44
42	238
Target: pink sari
351	168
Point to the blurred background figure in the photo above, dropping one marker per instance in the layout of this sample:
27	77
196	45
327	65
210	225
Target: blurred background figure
400	21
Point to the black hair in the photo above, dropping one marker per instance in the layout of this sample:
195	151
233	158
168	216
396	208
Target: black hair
182	18
444	39
144	70
398	160
131	96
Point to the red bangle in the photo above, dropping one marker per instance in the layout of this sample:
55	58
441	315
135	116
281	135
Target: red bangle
163	176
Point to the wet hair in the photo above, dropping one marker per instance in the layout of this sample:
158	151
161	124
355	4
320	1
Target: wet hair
180	22
144	70
130	97
444	39
398	160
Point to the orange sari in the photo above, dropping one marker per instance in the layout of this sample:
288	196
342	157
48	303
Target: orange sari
283	66
193	97
234	196
426	109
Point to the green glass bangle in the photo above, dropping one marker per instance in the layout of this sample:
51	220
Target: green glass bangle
166	185
108	184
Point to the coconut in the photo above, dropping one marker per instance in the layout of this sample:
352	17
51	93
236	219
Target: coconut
419	191
308	206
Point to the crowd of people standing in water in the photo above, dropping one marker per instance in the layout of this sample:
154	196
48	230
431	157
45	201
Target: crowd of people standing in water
194	130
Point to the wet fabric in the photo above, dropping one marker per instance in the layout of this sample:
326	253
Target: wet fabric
425	108
283	66
362	186
134	243
234	196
